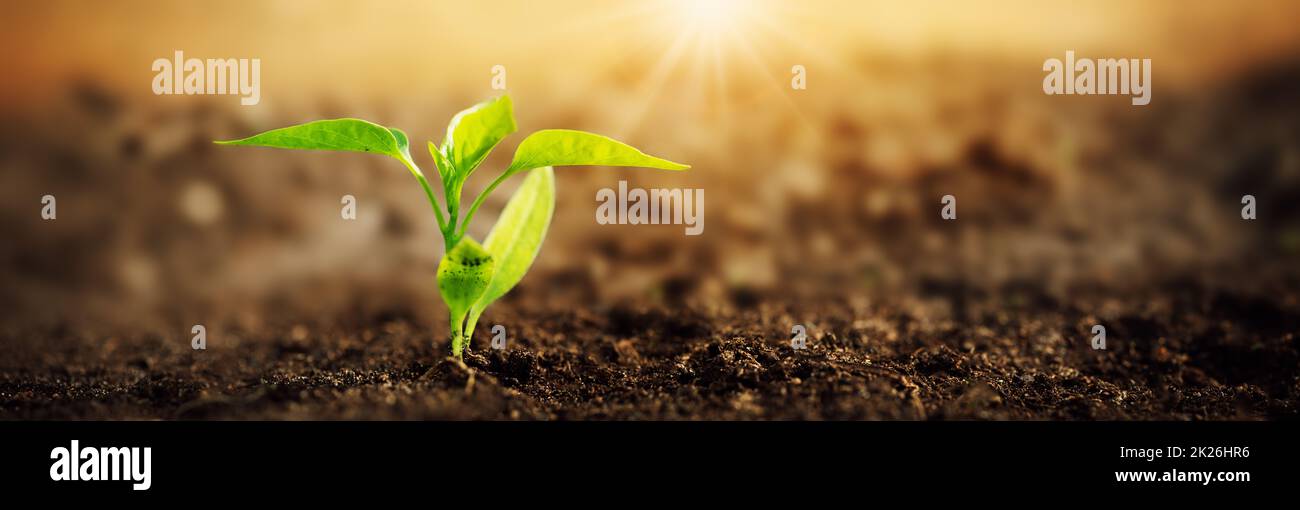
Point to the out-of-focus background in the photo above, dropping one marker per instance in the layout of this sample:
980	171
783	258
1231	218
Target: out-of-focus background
832	191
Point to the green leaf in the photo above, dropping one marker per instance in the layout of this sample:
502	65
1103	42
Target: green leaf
451	182
463	275
517	237
446	171
561	147
354	135
403	145
473	133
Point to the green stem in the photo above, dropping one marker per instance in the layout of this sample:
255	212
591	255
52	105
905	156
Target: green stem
452	192
457	342
478	201
433	200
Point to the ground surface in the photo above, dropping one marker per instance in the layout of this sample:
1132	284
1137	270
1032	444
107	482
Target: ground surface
1072	214
1203	354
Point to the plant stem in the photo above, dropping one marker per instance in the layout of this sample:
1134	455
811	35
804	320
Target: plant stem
452	191
478	201
433	200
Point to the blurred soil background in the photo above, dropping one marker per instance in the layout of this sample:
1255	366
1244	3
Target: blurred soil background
822	209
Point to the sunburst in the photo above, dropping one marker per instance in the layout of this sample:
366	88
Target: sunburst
695	54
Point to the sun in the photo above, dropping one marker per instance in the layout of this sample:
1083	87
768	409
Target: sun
698	52
711	15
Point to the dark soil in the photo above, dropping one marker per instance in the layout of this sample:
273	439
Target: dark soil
1130	219
1203	354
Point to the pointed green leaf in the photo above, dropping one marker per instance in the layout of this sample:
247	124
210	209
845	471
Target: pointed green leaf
561	147
445	169
403	145
473	133
354	135
517	237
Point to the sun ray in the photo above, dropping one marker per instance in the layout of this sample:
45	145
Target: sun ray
720	89
778	85
824	56
602	22
701	50
653	85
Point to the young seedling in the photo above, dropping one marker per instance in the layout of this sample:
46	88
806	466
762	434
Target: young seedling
472	276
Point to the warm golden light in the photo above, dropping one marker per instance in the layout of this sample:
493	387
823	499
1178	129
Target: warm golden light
710	14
